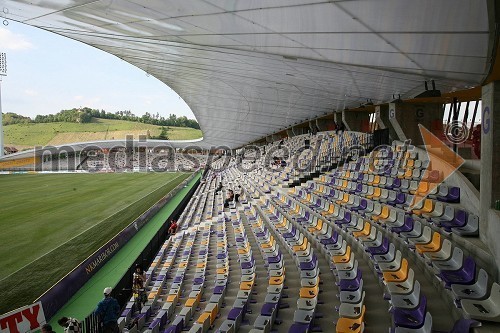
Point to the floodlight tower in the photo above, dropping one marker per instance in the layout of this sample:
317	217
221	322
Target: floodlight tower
3	72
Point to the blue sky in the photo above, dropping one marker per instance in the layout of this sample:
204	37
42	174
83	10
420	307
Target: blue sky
47	73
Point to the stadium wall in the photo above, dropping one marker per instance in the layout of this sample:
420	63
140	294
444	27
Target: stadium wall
60	293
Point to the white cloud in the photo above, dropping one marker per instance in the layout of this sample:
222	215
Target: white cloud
14	42
31	92
86	101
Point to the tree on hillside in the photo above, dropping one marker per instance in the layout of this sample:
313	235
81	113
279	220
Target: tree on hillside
11	118
164	133
85	115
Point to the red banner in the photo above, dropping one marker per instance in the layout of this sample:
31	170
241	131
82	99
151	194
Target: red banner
26	319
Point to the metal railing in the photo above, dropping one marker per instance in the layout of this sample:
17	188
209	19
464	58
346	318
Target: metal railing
91	324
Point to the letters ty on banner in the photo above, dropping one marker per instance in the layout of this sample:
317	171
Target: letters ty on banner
26	319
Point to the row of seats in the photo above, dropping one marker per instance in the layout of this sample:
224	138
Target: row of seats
456	272
348	274
276	276
301	250
394	193
394	273
323	151
121	161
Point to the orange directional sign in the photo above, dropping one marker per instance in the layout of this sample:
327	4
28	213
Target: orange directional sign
442	162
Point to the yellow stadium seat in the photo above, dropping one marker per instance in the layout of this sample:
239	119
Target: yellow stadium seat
343	258
384	213
433	246
399	275
351	325
365	232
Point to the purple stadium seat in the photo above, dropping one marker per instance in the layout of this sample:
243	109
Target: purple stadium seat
219	290
305	218
330	194
459	220
154	323
299	328
199	280
464	325
268	309
411	318
275	259
362	205
235	314
399	200
452	196
350	284
396	184
464	275
381	249
290	234
177	326
331	240
309	264
406	227
247	264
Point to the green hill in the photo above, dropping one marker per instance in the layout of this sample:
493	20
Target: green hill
41	134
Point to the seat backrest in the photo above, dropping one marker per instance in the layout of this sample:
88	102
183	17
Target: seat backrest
464	325
458	254
473	220
428	204
392	195
446	246
469	266
398	257
417	226
461	215
423	303
411	276
443	190
427	328
427	234
495	294
423	187
404	265
385	242
482	279
436	238
409	221
380	235
438	207
449	211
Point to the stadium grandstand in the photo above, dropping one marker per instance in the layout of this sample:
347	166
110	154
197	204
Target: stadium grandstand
347	178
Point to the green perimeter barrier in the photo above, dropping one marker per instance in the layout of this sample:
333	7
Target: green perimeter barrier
86	299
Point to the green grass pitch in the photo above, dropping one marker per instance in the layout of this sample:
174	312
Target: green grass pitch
51	222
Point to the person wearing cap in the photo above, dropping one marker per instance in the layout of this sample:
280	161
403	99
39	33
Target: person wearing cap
70	325
47	328
108	311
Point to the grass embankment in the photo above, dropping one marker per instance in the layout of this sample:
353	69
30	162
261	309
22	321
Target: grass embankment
51	223
30	135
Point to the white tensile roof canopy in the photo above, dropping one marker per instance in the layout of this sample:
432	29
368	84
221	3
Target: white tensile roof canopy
250	68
